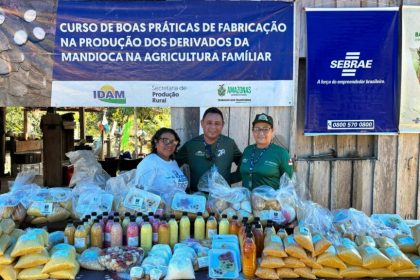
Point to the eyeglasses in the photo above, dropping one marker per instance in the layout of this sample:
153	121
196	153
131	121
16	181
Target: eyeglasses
208	154
264	130
168	141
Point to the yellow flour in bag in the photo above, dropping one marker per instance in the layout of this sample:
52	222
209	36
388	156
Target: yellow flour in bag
66	274
271	262
16	233
5	242
385	242
399	261
62	246
415	232
266	273
293	249
311	262
286	273
33	273
327	272
61	260
273	246
305	272
28	243
355	272
303	237
321	244
348	253
407	244
329	258
6	258
414	259
42	233
373	258
7	272
382	273
291	262
32	260
413	272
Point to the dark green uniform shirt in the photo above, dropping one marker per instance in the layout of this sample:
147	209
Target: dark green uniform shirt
225	152
269	167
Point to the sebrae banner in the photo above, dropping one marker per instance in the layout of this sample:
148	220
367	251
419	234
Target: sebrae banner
410	71
178	54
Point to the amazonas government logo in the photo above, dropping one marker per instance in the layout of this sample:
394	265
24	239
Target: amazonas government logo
108	94
350	64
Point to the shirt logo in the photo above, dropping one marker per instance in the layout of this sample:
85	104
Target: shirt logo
221	152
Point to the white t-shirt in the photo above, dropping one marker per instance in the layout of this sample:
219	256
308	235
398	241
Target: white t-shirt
159	176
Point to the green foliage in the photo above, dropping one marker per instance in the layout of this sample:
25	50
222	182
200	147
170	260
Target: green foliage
14	120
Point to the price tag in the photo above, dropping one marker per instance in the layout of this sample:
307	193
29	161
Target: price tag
137	201
44	208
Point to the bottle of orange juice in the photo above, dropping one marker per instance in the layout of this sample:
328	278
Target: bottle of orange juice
249	256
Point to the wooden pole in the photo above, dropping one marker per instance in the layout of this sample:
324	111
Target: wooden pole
82	122
25	124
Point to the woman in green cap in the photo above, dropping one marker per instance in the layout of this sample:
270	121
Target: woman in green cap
263	163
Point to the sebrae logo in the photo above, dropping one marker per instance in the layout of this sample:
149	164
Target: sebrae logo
350	64
108	94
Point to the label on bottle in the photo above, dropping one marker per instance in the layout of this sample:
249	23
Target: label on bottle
66	240
79	242
107	237
133	241
212	232
203	262
155	237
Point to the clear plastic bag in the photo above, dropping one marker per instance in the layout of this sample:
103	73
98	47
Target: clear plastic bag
90	200
265	204
89	259
315	217
137	200
86	168
23	178
229	201
53	205
211	179
121	259
352	222
118	186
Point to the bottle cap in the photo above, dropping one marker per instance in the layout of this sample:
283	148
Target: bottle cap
256	219
199	213
150	213
224	216
249	234
132	218
145	218
94	214
234	217
184	213
139	214
172	216
126	214
116	220
105	213
245	219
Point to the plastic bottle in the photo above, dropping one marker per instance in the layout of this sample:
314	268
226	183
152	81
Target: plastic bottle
249	257
108	226
259	239
96	234
269	229
155	229
105	217
101	222
139	219
146	235
199	227
124	225
234	225
256	221
80	238
69	234
224	225
116	233
132	233
184	227
163	232
94	215
242	233
173	231
211	226
87	226
151	217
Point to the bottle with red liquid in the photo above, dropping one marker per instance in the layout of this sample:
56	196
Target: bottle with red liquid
132	233
249	256
155	229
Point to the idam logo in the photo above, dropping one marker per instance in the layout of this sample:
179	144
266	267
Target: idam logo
108	94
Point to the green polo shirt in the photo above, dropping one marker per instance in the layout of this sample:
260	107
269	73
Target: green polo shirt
269	167
225	153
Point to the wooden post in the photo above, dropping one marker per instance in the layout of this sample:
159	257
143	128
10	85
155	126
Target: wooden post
82	122
2	139
25	124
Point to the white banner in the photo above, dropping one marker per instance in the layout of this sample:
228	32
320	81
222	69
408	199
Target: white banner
410	71
172	93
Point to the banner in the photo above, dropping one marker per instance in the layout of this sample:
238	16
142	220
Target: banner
184	53
352	67
410	70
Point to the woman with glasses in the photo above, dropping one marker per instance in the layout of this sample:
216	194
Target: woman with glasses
158	172
263	163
